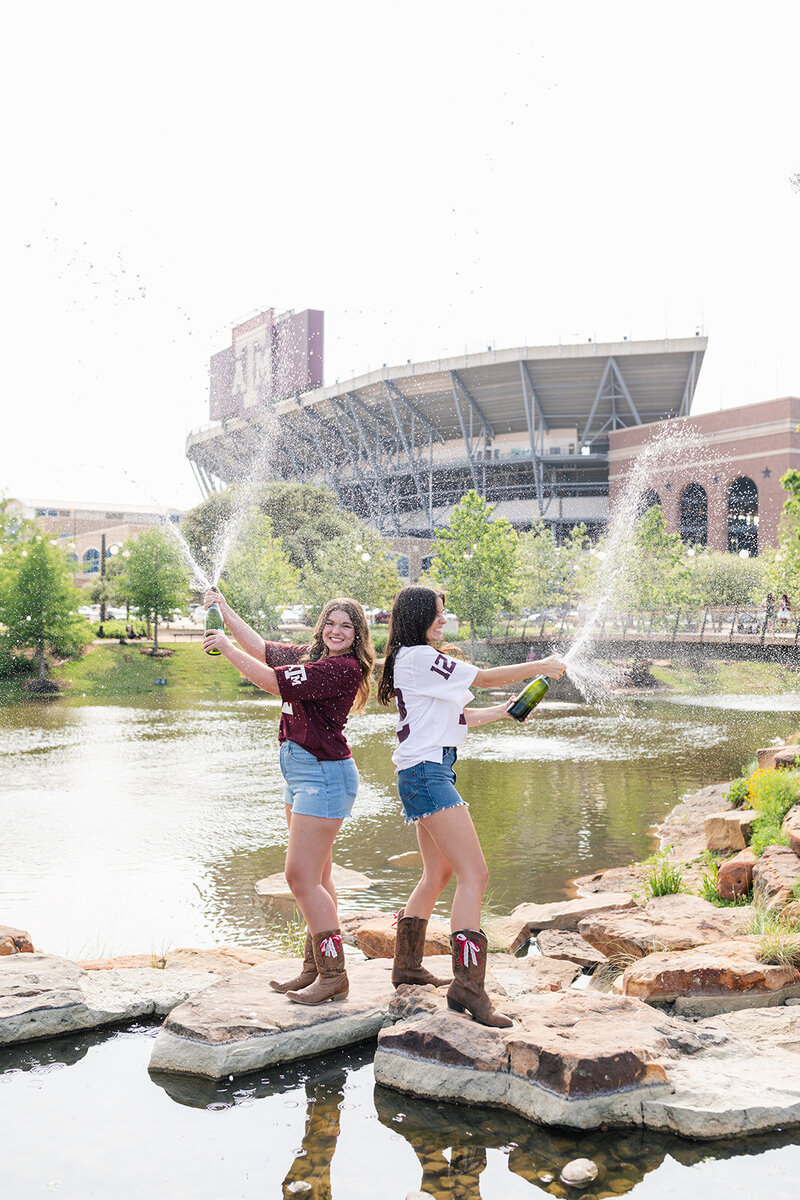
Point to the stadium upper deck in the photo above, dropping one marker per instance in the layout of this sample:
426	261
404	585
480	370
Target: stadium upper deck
528	428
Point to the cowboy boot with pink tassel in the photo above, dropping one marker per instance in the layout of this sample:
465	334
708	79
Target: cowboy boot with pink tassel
467	992
331	982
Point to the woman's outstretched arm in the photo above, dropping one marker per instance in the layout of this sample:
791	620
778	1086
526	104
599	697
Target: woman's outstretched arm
252	668
251	642
491	677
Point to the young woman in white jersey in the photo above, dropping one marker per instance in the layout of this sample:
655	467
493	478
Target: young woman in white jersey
432	693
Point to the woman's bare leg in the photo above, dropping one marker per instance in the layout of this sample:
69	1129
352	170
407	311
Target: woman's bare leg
453	835
308	863
436	874
327	877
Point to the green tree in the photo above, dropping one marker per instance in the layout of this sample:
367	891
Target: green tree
782	563
157	576
476	561
550	574
723	580
259	577
304	516
356	564
654	572
38	602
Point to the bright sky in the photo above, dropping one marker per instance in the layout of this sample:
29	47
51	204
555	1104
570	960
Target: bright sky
433	176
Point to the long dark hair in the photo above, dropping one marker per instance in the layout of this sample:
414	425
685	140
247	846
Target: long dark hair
362	649
413	612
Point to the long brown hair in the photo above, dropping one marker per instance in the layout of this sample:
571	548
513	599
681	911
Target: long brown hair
413	612
362	649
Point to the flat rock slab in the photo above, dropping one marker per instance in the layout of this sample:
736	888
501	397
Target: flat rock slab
710	979
223	960
516	977
242	1025
409	860
567	914
570	1059
506	935
569	946
791	827
42	995
675	922
586	1061
775	875
275	887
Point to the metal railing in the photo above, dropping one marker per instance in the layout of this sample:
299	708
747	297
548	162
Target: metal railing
746	624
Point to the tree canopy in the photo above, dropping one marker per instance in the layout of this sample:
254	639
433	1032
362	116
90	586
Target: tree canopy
156	578
259	578
475	560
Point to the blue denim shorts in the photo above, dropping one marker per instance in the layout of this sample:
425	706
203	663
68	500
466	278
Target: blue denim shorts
317	787
429	787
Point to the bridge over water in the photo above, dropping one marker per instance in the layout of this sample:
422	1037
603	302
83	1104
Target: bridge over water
695	633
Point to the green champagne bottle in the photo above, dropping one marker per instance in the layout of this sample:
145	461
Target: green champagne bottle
214	621
529	697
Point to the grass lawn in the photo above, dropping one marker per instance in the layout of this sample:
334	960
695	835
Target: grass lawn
732	678
125	671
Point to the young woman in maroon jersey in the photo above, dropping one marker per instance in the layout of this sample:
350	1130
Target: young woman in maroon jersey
432	693
318	684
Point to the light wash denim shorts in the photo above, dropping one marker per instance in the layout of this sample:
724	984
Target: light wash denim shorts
429	787
317	787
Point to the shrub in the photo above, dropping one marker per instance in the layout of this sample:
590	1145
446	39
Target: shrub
771	793
663	879
778	937
736	794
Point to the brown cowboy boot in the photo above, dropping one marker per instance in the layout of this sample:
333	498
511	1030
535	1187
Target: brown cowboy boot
308	971
332	982
409	947
466	992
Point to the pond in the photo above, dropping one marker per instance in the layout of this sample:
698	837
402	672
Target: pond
142	826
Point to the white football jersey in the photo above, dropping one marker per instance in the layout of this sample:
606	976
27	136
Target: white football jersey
431	690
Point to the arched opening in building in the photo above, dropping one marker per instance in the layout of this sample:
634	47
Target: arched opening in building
648	499
91	562
694	515
743	516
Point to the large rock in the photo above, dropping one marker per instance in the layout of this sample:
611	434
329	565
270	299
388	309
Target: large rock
222	960
275	888
42	995
14	941
521	976
570	1059
506	935
735	875
567	914
241	1025
563	944
791	827
712	978
675	922
586	1061
766	755
775	875
683	830
374	934
729	830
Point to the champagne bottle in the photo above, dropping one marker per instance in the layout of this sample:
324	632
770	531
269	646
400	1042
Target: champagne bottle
214	621
529	697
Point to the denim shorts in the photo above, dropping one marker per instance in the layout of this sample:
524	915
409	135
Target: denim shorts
429	787
317	787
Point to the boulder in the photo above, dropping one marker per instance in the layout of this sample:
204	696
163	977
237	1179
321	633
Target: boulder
275	888
563	944
729	830
766	756
579	1173
791	827
567	914
42	995
712	978
787	759
775	875
374	934
735	875
675	922
520	976
571	1058
683	830
506	935
223	960
14	941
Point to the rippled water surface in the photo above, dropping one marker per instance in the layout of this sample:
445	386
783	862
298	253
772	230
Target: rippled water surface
143	826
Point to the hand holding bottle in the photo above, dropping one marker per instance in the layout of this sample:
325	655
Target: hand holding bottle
552	667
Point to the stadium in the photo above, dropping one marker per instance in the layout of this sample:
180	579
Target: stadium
528	428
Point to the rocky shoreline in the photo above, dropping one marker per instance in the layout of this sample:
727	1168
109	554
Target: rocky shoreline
655	1013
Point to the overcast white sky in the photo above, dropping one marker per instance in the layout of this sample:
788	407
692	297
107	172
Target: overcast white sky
432	175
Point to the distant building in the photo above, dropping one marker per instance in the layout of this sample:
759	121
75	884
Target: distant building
85	530
733	499
528	428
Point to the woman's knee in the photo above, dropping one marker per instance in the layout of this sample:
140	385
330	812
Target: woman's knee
475	877
298	880
437	878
